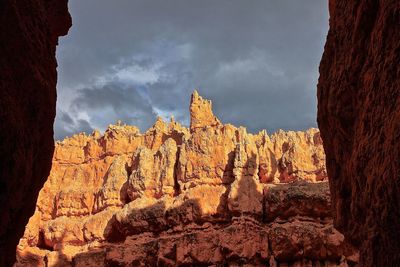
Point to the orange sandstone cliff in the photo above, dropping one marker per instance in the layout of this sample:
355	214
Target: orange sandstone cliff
212	194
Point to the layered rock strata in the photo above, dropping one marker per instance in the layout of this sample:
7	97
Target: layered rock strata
359	118
29	31
212	194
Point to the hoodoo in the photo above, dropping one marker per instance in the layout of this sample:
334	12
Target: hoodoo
211	194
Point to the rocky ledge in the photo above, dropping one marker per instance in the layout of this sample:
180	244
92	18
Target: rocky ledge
211	194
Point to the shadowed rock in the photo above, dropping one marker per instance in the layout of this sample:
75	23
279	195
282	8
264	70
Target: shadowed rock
359	118
29	32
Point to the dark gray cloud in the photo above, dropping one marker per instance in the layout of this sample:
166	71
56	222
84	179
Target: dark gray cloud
65	125
133	60
114	102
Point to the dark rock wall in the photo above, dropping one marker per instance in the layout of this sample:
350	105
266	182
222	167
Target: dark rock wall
29	31
359	119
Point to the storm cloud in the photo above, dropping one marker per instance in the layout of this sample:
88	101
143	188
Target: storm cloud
135	60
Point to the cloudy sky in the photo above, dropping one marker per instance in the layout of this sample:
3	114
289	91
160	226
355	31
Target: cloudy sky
134	60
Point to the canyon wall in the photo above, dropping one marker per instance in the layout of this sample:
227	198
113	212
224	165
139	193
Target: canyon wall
29	31
359	119
210	194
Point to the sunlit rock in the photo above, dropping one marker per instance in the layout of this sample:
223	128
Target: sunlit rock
208	195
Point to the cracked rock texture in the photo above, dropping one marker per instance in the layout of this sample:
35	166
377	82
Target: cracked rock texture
359	119
29	31
209	195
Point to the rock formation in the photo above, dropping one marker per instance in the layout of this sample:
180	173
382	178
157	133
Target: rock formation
29	32
209	195
359	118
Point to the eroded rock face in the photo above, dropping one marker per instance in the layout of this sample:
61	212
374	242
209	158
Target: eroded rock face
359	118
29	32
212	194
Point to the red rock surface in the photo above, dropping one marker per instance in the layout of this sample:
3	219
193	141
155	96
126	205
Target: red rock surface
209	195
29	31
359	119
